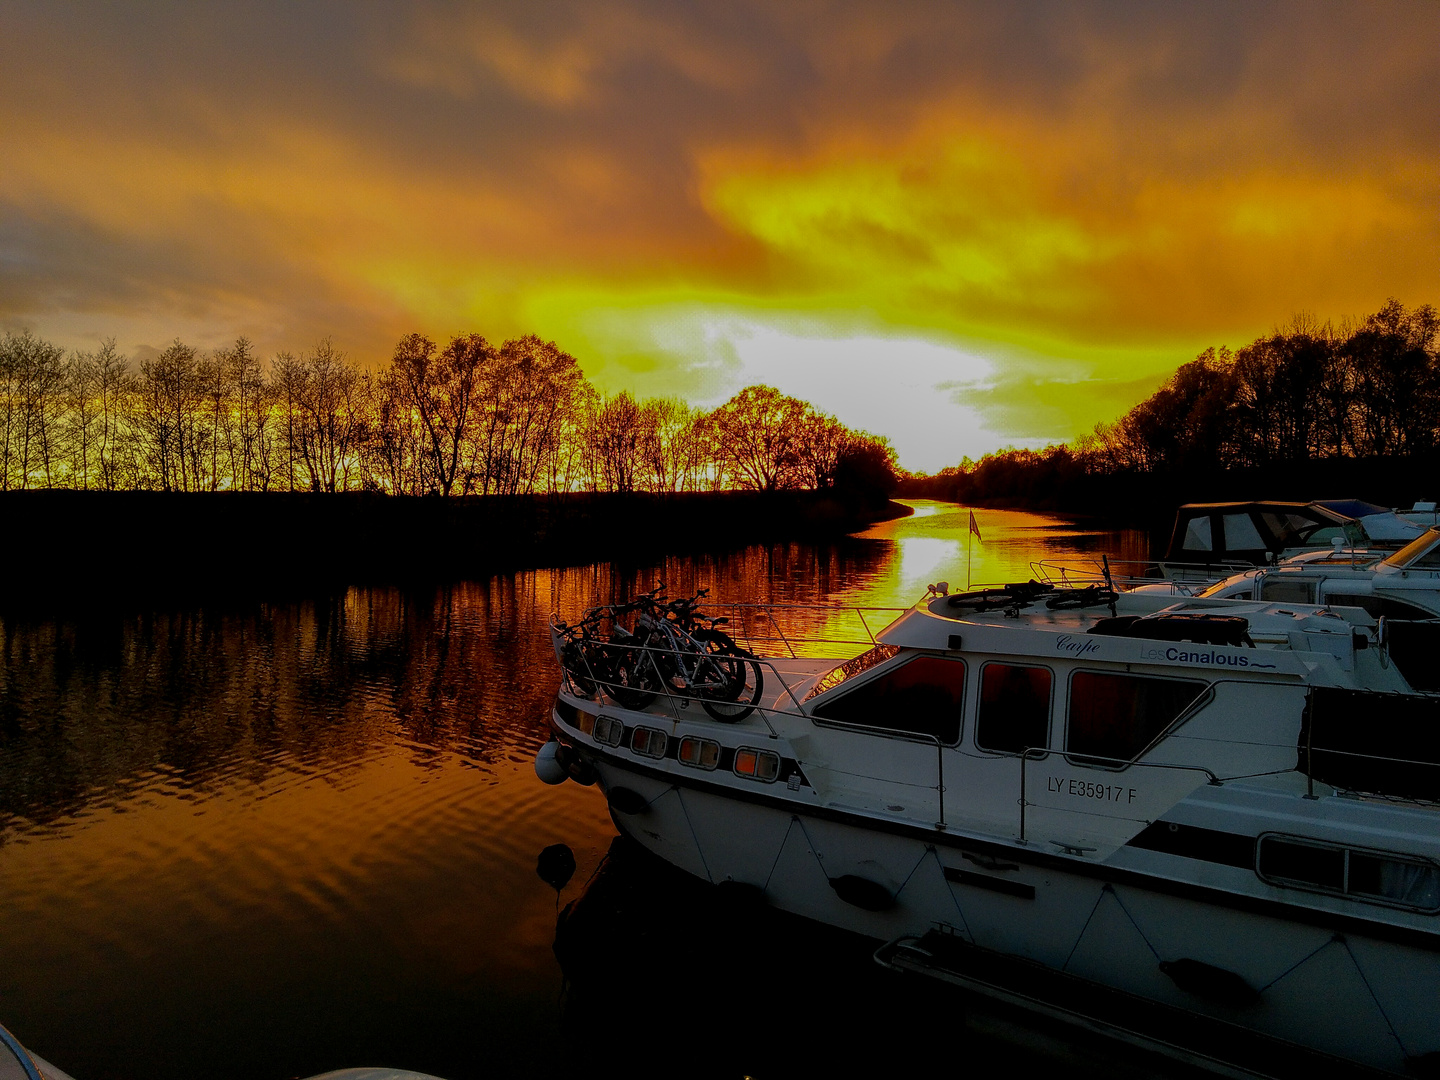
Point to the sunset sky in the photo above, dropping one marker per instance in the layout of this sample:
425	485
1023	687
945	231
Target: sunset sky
959	225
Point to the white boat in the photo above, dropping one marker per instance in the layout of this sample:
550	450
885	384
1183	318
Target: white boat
1218	810
1212	540
1402	584
18	1063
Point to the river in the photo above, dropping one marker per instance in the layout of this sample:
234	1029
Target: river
273	837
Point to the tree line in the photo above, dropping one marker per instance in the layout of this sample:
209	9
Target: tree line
1307	392
466	418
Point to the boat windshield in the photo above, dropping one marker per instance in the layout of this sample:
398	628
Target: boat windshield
848	670
1421	554
1222	588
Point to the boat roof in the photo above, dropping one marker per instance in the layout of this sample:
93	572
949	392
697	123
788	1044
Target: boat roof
1353	508
1256	531
1199	508
1300	640
1340	508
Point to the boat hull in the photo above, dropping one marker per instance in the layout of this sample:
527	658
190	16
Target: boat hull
1298	975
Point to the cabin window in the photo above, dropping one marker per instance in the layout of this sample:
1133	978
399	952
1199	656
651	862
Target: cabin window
1285	591
1114	717
699	753
1241	534
609	731
1197	535
924	697
848	670
1365	875
757	764
648	742
1378	606
1014	708
1288	529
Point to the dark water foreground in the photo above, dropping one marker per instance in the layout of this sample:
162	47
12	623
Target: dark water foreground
264	839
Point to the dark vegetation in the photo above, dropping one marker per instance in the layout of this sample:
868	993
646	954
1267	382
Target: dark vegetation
81	545
204	470
467	419
1310	411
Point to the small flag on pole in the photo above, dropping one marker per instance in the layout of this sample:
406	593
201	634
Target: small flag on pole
975	528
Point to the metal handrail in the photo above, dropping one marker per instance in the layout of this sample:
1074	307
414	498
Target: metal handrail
740	628
1069	575
678	699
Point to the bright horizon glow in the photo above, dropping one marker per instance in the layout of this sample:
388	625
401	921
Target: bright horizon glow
918	411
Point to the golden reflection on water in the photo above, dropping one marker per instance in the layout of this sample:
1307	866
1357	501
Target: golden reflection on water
932	545
275	838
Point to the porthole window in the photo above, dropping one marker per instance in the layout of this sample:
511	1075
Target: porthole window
648	742
1014	708
585	721
699	753
608	730
1373	876
757	764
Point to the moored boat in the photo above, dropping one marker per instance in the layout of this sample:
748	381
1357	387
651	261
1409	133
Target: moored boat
1226	808
1399	585
1212	540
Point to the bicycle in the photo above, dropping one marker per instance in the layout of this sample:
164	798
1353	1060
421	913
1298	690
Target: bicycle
697	658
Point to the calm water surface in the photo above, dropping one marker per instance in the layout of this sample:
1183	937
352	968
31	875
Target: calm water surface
268	839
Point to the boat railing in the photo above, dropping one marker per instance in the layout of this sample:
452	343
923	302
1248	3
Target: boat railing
675	704
678	698
784	704
798	629
788	625
1133	573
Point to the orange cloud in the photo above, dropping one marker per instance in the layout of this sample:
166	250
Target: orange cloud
1082	196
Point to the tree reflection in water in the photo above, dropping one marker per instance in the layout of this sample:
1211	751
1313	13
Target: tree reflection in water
259	838
97	707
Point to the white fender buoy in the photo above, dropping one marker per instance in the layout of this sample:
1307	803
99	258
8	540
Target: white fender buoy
547	764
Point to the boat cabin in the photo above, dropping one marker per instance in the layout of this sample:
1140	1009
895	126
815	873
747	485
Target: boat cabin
1210	537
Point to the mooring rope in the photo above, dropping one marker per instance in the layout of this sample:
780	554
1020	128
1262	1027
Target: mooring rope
779	851
698	850
950	888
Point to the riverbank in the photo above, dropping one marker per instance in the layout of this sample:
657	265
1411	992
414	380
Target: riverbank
1060	484
92	542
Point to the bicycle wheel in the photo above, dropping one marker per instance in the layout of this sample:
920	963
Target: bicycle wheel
719	670
742	692
573	661
631	683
